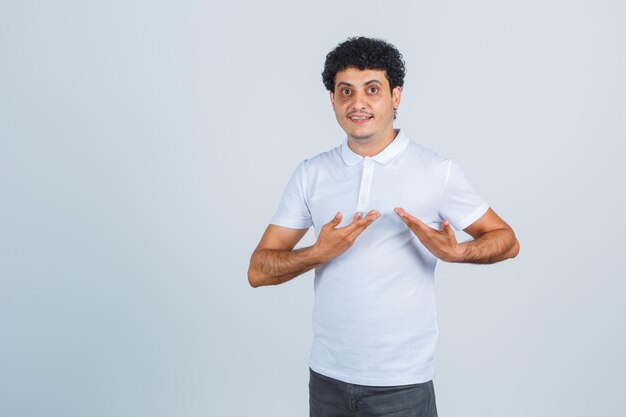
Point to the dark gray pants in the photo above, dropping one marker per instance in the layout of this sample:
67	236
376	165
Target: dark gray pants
330	397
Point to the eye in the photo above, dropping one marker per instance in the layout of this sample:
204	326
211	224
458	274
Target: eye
373	89
345	91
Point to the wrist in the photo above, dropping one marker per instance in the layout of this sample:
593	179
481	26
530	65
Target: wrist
315	254
460	253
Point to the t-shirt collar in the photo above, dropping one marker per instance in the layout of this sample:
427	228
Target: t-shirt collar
396	146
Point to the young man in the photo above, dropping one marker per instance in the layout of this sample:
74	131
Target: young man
374	319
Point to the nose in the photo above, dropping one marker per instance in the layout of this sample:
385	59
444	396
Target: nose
359	100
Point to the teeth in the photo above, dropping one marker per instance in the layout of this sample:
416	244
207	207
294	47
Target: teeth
359	118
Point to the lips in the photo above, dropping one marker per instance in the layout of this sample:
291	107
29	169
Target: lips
360	118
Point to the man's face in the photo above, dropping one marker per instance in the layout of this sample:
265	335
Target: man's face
363	103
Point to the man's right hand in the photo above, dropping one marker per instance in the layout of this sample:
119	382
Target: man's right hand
333	241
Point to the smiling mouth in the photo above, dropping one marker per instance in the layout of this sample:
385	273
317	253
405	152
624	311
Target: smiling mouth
360	119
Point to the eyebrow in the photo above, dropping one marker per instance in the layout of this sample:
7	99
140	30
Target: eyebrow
365	83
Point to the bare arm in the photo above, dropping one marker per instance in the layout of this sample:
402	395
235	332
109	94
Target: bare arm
274	261
494	241
490	247
275	266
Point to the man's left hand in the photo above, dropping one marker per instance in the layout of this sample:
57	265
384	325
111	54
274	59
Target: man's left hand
441	243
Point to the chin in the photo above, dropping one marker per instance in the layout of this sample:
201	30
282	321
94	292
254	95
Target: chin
361	135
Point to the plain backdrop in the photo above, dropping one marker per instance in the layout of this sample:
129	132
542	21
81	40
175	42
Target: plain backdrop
144	146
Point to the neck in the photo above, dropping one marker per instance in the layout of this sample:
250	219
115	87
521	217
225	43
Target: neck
372	145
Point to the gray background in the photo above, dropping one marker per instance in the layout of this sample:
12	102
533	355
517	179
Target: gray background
144	148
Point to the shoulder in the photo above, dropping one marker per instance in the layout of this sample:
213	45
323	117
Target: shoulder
323	160
426	157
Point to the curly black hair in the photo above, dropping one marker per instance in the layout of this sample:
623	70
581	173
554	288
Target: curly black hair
364	53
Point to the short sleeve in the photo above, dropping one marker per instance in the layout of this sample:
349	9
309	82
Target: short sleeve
460	204
293	209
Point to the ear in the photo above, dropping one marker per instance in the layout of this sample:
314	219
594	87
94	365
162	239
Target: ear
396	95
332	99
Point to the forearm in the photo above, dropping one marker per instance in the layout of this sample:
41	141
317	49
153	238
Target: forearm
491	247
273	266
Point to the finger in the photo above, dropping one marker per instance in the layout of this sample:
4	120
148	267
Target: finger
359	219
359	215
368	218
448	229
409	219
335	220
355	219
362	224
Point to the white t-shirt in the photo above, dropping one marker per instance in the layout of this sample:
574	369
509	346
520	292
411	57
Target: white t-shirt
374	317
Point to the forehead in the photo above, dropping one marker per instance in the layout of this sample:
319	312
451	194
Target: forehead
357	77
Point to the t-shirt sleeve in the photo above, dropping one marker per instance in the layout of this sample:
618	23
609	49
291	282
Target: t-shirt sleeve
293	209
460	204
